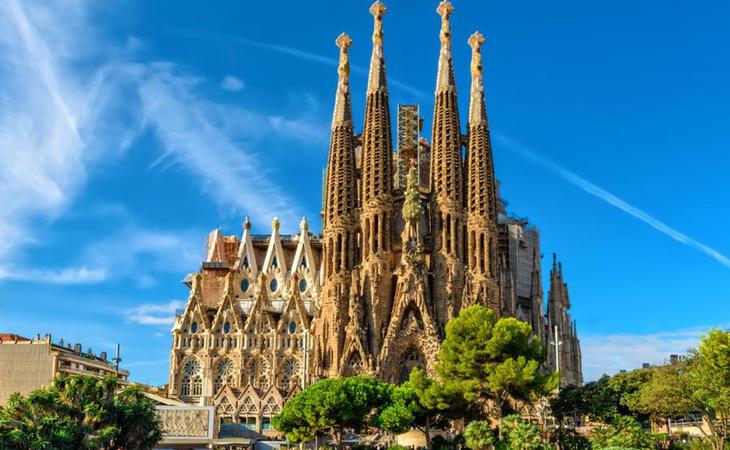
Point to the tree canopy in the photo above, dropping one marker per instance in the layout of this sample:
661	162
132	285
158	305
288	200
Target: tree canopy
493	361
331	405
422	403
80	412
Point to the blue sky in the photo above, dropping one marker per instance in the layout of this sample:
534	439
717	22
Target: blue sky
128	130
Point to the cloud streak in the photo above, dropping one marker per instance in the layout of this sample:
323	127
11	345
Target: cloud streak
610	353
612	200
154	314
66	276
72	99
313	57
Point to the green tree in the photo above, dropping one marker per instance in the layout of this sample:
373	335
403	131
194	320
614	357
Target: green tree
667	394
421	403
627	387
570	402
625	432
567	439
518	434
493	361
708	381
80	412
479	435
330	406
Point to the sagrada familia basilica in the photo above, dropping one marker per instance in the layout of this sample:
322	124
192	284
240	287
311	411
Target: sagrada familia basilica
409	238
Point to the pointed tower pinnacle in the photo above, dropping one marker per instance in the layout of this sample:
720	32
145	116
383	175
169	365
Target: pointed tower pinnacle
339	225
340	188
377	150
481	191
376	216
376	76
343	109
477	108
445	78
447	180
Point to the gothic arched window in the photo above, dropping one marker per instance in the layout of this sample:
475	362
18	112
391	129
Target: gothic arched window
289	371
224	374
192	381
258	373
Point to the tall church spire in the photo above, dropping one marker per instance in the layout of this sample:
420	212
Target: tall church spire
376	217
446	166
340	200
447	181
339	226
481	191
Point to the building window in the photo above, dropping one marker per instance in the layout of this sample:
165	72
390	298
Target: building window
302	285
224	373
244	285
194	327
289	373
227	327
192	382
274	285
292	327
258	373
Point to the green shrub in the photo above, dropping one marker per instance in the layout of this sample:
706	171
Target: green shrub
398	447
478	435
518	434
625	432
568	439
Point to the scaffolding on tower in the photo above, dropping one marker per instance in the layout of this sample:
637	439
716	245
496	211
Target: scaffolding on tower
409	127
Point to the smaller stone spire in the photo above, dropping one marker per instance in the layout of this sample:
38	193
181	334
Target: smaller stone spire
343	110
477	107
445	77
376	76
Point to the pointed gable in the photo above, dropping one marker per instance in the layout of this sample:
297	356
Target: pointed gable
258	318
228	310
246	258
275	261
194	311
215	250
294	309
304	256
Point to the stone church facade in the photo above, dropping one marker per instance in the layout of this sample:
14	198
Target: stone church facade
409	238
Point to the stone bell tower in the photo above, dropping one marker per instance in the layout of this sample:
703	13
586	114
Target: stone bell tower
447	182
339	222
481	279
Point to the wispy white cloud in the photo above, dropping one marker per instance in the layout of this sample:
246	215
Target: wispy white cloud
140	254
612	200
154	314
72	100
70	275
194	134
313	57
610	353
231	83
46	113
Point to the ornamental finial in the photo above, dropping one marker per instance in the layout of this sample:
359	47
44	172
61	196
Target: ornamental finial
343	42
275	224
246	224
444	10
304	225
342	114
476	41
378	11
